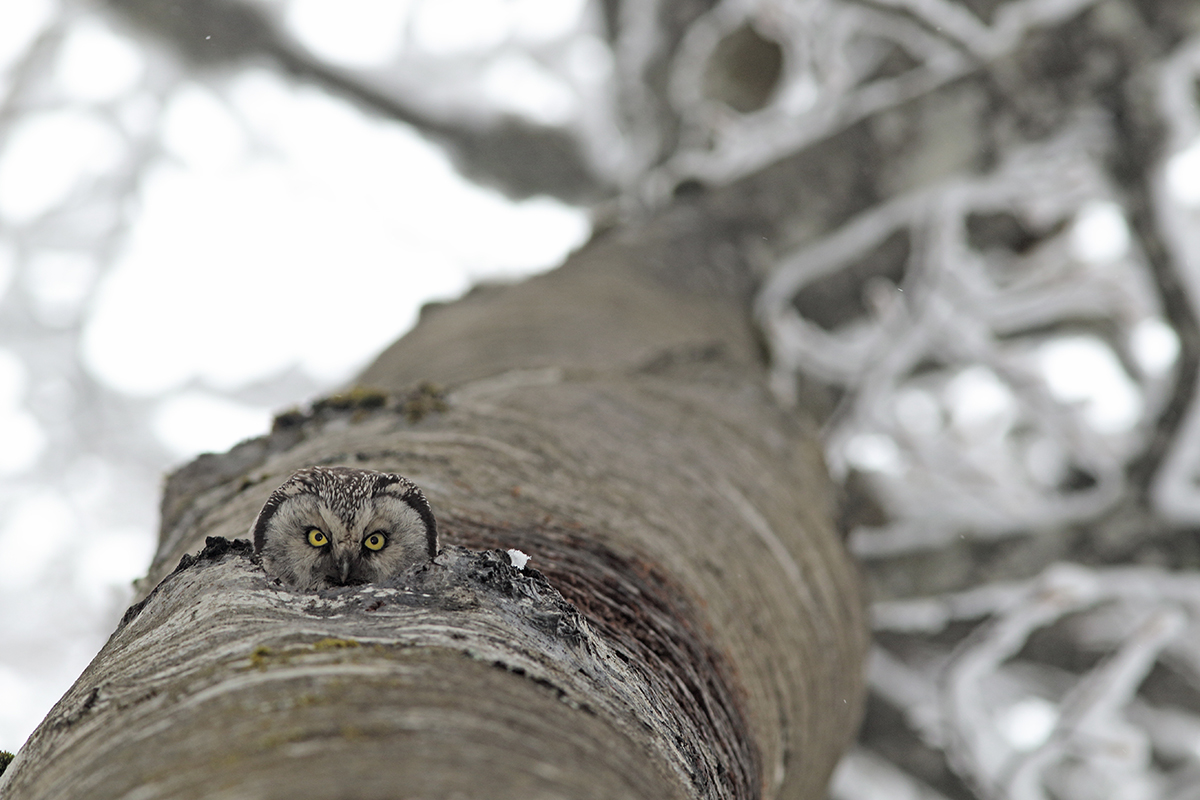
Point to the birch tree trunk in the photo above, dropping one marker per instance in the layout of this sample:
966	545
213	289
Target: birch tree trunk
688	625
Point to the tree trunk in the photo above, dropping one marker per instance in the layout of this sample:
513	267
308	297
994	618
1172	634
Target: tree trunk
688	625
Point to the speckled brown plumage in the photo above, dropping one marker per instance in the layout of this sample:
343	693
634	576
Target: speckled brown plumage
346	506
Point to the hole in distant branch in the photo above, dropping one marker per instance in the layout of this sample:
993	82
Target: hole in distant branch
744	70
834	300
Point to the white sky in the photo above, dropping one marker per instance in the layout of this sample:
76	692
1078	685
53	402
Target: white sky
317	255
367	33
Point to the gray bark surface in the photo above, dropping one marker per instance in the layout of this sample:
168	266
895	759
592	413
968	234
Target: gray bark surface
689	624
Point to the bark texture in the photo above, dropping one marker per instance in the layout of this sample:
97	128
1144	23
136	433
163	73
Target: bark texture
689	624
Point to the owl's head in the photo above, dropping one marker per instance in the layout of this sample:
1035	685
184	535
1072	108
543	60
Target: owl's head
335	526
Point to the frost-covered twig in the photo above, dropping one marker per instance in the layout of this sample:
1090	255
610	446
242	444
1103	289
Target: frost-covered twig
1018	726
989	40
831	53
963	408
1177	213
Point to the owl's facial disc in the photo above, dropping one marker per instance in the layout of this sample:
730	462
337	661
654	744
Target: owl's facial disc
338	526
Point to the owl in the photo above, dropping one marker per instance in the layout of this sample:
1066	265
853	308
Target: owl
336	526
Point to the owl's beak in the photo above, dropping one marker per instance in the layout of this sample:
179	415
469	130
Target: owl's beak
344	569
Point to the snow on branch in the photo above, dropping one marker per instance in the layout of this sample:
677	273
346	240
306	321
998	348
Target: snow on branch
835	71
967	407
1072	685
841	62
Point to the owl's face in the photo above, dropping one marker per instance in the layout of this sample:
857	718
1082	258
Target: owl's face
335	526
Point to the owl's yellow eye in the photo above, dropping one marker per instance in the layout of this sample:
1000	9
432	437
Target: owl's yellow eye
317	537
375	541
